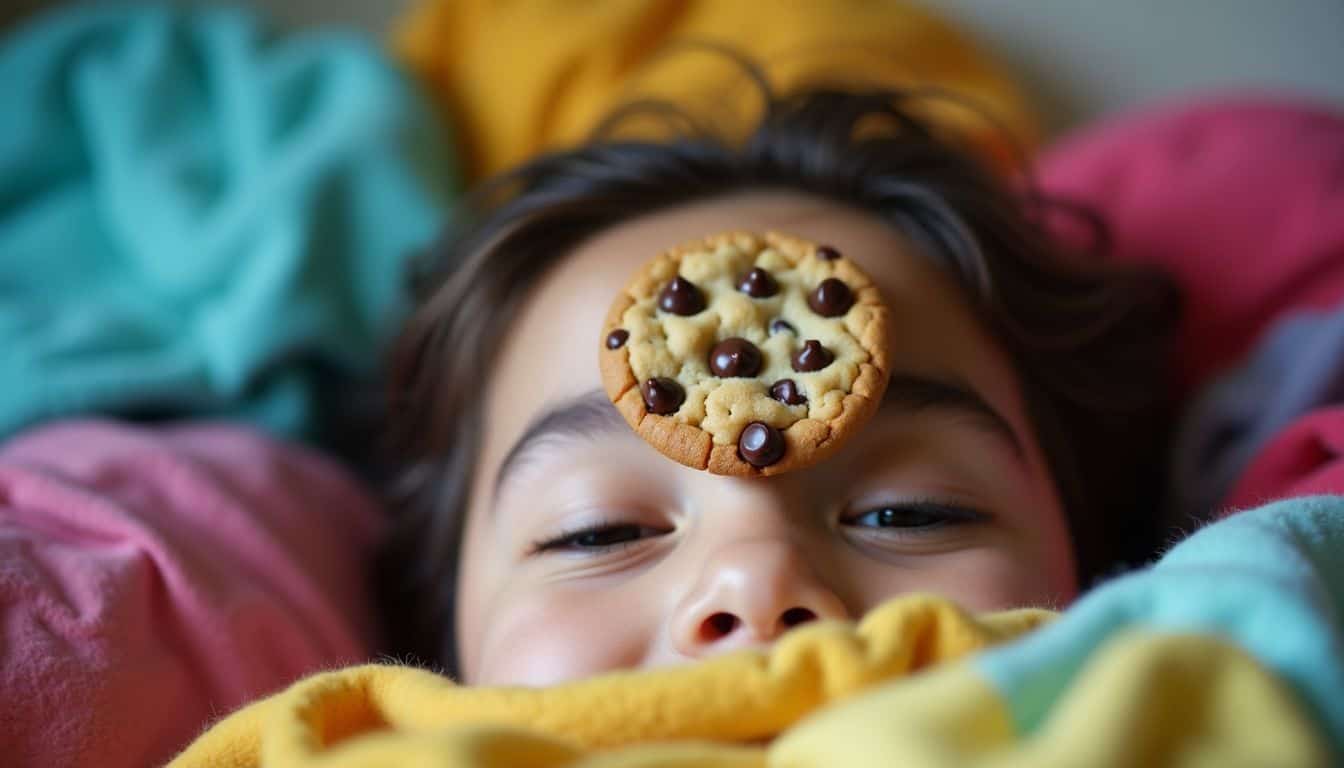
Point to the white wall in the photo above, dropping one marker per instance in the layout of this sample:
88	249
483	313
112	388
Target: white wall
1084	58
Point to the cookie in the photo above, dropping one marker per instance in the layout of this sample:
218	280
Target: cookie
746	354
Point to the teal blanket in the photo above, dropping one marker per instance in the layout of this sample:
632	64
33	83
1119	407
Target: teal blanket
201	218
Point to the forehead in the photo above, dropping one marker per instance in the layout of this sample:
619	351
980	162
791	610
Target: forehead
551	352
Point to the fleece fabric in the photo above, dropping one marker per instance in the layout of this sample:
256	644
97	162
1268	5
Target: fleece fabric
1229	652
151	580
200	218
521	78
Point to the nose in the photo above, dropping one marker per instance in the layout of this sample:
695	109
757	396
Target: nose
748	593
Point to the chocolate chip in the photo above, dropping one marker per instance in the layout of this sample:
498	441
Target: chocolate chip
662	395
831	299
760	445
786	391
616	339
681	297
735	357
780	326
812	357
827	253
758	284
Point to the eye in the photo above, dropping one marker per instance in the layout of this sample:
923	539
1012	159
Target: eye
914	517
598	538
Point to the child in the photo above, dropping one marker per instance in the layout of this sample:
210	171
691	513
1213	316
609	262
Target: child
539	539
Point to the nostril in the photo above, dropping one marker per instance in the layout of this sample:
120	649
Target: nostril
718	626
795	616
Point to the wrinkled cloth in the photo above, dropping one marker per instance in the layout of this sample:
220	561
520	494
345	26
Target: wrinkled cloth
1238	198
1297	367
1305	458
1229	651
153	580
520	78
200	218
425	719
1269	581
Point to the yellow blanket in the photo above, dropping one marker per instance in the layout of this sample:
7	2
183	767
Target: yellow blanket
522	77
893	690
717	712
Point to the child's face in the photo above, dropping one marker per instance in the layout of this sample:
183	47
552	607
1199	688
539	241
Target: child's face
672	564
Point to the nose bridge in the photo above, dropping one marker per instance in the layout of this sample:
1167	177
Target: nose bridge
757	510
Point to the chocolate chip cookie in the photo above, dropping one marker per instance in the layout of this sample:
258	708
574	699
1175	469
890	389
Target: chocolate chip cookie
746	354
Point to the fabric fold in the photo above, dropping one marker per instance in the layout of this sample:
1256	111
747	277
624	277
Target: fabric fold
1228	651
152	579
202	218
523	78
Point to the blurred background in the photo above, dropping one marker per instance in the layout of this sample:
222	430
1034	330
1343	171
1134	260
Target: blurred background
1078	58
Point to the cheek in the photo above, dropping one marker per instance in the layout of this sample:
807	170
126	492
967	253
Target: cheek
982	579
549	634
996	580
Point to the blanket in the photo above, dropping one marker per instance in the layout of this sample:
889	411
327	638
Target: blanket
1239	200
151	579
521	78
1228	651
202	218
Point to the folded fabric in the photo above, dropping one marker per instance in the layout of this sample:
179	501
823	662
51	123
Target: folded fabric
422	718
1297	367
1238	198
523	77
1269	581
1305	458
152	580
198	217
1228	652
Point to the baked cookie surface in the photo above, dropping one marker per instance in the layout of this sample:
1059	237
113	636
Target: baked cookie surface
746	354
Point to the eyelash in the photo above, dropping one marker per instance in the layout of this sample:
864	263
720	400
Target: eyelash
943	515
569	540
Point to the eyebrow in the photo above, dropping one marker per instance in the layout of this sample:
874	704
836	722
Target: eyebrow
917	392
591	415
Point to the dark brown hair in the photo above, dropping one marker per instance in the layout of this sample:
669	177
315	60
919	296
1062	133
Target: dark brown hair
1089	340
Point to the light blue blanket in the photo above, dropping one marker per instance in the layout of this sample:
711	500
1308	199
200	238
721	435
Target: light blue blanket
201	218
1269	580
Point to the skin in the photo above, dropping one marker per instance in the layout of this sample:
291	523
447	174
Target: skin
593	552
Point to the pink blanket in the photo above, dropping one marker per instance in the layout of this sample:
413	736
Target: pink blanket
1242	201
152	580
